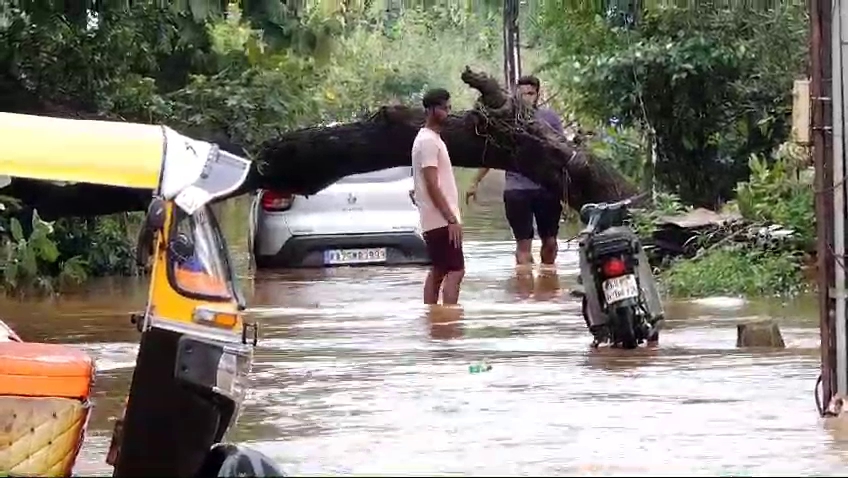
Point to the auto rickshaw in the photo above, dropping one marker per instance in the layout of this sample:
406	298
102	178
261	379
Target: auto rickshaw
196	346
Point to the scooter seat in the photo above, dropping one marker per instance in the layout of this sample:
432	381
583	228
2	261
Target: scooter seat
44	370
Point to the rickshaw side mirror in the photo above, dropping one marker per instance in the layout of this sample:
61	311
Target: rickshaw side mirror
155	219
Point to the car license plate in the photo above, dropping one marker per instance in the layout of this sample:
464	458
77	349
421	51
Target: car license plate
620	288
355	256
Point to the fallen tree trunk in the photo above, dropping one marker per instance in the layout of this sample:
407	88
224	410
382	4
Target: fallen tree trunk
53	201
499	133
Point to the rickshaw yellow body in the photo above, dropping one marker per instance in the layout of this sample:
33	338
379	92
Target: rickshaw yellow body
98	152
170	304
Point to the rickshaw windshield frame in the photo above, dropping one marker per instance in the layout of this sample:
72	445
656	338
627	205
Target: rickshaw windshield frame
204	222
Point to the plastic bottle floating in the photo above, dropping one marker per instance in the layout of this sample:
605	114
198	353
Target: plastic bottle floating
479	368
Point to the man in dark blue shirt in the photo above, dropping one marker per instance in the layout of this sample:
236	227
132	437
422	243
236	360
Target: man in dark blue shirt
525	200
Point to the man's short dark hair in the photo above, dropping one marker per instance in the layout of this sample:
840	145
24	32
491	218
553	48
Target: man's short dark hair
530	80
435	97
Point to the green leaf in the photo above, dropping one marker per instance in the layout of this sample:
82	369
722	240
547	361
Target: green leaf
29	262
200	9
47	250
17	230
253	50
10	275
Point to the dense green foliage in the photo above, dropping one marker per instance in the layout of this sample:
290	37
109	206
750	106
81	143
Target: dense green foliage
737	272
33	261
712	82
745	262
221	78
782	194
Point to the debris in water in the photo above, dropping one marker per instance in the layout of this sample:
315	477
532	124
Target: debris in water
479	368
836	406
763	333
720	302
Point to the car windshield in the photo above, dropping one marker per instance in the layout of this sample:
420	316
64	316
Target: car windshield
382	176
197	257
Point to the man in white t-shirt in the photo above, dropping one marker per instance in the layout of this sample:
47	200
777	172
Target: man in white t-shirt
437	200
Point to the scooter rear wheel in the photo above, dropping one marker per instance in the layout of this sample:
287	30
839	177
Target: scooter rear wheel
624	327
598	333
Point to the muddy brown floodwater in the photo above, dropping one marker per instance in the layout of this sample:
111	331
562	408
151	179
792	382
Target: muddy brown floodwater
355	376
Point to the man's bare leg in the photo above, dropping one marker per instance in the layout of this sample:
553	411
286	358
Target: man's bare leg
548	254
450	288
547	285
523	255
445	322
524	281
432	285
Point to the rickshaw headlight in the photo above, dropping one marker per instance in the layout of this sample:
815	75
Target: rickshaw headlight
231	378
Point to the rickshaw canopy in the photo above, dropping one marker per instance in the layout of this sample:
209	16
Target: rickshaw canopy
121	154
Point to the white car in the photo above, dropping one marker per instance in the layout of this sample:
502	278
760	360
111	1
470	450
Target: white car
364	218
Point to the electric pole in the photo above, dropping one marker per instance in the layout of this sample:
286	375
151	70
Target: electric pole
512	54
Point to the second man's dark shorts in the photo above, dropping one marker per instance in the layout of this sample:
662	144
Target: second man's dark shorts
522	205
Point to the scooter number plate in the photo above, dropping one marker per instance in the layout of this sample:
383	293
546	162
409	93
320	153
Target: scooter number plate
620	288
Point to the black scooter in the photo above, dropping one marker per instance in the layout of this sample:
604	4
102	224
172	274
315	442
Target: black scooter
621	305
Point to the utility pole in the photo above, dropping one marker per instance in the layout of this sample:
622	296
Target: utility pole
830	206
512	53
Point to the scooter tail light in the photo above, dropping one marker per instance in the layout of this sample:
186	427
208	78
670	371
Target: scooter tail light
614	267
276	201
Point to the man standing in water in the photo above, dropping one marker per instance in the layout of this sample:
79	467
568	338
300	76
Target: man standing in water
524	199
437	200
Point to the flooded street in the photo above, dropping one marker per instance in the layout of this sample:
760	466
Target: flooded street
356	376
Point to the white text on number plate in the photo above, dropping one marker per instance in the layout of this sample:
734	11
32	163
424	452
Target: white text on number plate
620	288
355	256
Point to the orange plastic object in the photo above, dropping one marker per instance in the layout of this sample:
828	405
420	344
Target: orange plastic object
44	370
200	283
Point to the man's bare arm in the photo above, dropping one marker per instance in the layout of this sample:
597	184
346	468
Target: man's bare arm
431	181
481	173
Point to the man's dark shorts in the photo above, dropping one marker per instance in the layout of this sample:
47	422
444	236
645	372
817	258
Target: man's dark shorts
445	256
522	205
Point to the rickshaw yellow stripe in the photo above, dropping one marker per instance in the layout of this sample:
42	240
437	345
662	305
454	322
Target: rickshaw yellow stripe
98	152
